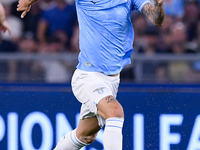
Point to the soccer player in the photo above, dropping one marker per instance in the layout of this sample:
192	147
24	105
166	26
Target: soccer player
106	37
3	23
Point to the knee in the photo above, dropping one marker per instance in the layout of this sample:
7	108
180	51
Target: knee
88	139
116	111
109	107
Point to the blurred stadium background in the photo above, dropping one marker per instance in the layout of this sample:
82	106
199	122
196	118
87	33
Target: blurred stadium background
160	90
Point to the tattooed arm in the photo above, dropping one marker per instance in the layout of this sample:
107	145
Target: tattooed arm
25	6
155	14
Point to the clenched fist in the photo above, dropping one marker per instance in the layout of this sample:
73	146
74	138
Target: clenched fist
25	6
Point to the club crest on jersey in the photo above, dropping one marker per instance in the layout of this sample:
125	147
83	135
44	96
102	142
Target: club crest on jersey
100	90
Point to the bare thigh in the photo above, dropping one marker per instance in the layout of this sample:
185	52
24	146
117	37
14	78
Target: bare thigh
109	107
88	128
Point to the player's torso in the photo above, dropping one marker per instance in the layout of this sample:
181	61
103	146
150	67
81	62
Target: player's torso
106	23
105	34
105	10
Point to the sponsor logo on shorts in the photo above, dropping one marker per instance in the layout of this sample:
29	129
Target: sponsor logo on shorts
100	90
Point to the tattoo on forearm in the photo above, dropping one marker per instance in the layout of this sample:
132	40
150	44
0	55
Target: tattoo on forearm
159	14
110	99
148	10
155	14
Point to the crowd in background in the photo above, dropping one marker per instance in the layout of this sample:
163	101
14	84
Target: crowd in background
180	34
48	22
51	26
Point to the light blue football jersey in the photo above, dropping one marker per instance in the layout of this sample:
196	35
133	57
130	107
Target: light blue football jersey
106	34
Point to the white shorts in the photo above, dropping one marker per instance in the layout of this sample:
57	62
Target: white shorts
89	88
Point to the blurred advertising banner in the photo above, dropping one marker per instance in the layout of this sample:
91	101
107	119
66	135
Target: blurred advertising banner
157	117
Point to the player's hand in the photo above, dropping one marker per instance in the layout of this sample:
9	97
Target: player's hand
25	6
4	27
159	2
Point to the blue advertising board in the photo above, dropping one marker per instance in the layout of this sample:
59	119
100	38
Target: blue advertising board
157	117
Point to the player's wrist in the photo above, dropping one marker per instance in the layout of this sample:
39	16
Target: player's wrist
32	1
2	14
2	19
158	3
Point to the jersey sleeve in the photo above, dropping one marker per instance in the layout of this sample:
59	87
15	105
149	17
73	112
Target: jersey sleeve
139	4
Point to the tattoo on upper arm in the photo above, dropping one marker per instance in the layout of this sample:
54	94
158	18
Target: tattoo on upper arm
110	99
155	14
